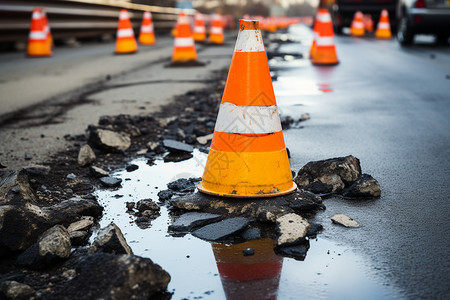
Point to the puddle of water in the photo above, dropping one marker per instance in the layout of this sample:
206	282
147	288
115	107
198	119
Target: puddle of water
199	269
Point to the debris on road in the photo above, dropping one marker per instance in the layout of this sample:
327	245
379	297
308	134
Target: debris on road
344	220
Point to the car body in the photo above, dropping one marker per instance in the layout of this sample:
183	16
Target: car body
423	17
344	10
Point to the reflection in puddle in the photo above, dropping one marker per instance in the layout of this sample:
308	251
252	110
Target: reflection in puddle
199	269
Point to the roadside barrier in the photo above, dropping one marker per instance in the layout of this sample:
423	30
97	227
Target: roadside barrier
357	27
199	28
38	39
147	34
125	41
216	32
383	27
248	156
184	46
324	52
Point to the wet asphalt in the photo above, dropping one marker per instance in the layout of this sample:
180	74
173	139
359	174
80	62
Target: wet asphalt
390	107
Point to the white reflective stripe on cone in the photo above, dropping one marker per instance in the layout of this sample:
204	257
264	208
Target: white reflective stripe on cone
184	42
125	32
147	28
324	18
147	15
199	29
183	20
383	26
38	35
216	30
123	15
357	25
36	15
249	41
247	119
324	41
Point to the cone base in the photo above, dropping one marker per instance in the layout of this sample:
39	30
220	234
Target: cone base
147	40
357	32
126	46
203	190
39	49
216	40
383	35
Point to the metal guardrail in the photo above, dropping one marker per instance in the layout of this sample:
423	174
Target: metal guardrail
78	18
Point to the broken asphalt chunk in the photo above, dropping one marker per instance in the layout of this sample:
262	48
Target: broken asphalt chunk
188	221
222	229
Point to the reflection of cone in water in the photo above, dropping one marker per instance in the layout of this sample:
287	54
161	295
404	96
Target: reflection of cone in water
368	23
38	43
147	35
125	42
357	27
249	277
47	29
216	31
325	50
184	47
199	28
383	27
248	156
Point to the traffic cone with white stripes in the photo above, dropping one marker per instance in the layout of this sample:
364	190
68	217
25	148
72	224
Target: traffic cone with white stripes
325	49
216	32
38	43
368	23
184	46
357	27
248	157
125	41
384	27
47	28
321	16
199	34
147	35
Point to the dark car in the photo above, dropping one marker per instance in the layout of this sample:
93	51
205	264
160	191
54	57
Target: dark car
423	16
344	10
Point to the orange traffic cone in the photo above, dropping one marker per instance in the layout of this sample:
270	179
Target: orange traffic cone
258	273
248	157
47	29
368	22
147	35
321	16
125	42
383	27
184	46
38	43
199	28
216	32
325	50
357	27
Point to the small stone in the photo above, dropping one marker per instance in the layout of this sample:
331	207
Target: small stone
86	155
152	146
27	156
365	187
203	140
111	240
297	251
292	228
304	117
166	121
132	168
146	204
173	145
109	140
83	224
71	176
222	229
165	195
344	220
191	220
248	252
130	205
98	172
182	185
39	170
15	290
109	181
177	157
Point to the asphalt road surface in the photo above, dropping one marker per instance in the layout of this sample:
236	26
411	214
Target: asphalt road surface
389	106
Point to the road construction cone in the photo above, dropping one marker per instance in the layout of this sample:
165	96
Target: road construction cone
357	27
216	31
147	35
259	273
184	46
38	43
383	27
325	50
248	157
321	16
199	34
368	23
47	29
125	42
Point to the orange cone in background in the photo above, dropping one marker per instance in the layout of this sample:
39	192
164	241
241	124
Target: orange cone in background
125	42
357	27
147	35
199	28
47	29
368	22
216	33
38	43
383	27
184	47
248	157
321	16
325	50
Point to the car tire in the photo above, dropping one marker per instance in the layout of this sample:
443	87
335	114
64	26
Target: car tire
405	34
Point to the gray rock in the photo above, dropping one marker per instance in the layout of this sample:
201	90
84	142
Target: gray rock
147	204
222	229
86	155
251	234
292	228
53	246
109	140
297	251
39	170
176	146
203	140
365	187
248	251
344	220
84	224
15	188
111	240
71	176
114	277
79	238
188	221
15	290
98	172
109	181
329	176
177	156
